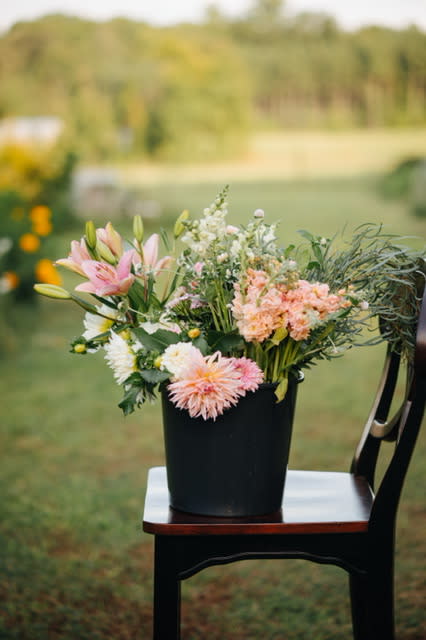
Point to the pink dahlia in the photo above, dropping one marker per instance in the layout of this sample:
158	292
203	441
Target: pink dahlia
208	386
250	374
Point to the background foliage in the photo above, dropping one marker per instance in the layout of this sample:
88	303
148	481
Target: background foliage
193	91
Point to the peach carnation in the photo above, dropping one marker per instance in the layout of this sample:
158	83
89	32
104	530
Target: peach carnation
258	310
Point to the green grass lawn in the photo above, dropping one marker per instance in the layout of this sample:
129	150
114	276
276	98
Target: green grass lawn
75	564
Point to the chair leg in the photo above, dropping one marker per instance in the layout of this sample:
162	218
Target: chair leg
359	607
372	602
166	624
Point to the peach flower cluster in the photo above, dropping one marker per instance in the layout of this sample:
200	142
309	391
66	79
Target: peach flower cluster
263	306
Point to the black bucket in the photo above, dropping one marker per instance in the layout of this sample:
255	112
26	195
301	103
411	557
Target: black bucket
236	465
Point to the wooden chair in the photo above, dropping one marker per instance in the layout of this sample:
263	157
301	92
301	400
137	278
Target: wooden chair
326	517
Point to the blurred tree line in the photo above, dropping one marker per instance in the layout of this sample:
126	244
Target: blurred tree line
193	91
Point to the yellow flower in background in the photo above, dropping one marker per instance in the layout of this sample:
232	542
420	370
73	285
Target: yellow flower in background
42	228
29	242
40	213
46	272
40	216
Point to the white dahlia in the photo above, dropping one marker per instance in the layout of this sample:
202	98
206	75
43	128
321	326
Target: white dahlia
176	358
120	357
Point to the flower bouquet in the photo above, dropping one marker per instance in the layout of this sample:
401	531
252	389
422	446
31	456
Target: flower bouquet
229	308
223	325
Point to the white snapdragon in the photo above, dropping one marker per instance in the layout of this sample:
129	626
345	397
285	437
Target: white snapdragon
269	235
235	248
203	233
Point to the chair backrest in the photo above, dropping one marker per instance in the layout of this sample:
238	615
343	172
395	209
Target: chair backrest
402	428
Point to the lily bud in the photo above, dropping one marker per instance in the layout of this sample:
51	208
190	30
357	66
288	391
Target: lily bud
138	228
91	239
52	291
113	240
179	227
105	252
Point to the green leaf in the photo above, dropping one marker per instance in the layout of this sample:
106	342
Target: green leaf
306	234
289	250
157	341
201	344
313	265
154	376
278	336
317	252
87	306
223	342
281	390
127	404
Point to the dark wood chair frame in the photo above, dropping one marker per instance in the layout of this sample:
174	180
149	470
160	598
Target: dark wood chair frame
351	526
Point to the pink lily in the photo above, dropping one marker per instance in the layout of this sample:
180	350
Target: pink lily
77	256
106	280
149	259
111	238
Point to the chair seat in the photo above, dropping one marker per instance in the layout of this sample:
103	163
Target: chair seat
314	502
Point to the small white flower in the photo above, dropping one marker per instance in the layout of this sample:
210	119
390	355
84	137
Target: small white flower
120	357
230	229
163	323
364	305
95	324
235	248
5	245
5	285
222	257
150	327
259	213
177	357
323	242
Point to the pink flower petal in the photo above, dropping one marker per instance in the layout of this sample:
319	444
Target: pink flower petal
123	267
150	250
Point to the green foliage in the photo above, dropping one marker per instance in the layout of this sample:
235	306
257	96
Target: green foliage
34	198
393	274
309	73
127	89
407	182
23	236
38	175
